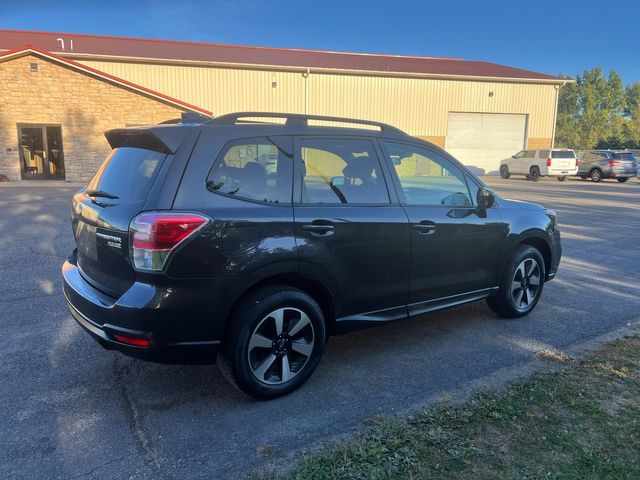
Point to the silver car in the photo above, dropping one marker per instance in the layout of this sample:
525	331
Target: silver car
601	164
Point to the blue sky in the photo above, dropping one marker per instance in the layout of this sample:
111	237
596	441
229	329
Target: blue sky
547	36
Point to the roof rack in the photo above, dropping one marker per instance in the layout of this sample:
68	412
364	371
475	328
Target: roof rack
299	119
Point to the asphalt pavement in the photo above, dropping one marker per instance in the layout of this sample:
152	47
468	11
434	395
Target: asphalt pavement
74	410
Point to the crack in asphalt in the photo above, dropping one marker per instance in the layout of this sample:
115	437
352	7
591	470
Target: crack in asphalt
115	460
44	254
135	421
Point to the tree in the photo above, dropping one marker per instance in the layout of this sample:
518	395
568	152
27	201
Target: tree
591	111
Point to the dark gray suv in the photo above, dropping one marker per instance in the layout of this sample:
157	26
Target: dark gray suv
600	164
254	242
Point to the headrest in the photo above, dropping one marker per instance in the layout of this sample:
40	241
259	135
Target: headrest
359	167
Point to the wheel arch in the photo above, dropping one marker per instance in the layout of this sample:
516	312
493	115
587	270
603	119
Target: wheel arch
314	288
542	245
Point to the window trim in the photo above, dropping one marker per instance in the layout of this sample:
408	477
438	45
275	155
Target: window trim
445	156
239	141
297	183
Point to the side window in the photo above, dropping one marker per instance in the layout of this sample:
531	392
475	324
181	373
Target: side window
530	154
341	171
519	154
256	169
543	154
426	177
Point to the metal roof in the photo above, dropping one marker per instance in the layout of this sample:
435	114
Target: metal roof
80	45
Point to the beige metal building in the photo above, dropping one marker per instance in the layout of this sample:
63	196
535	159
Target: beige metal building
480	112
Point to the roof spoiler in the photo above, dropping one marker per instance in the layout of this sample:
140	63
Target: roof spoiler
157	138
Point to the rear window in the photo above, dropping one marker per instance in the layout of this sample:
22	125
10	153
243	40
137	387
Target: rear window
624	156
563	154
128	173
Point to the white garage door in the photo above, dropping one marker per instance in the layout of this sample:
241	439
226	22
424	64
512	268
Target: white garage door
483	139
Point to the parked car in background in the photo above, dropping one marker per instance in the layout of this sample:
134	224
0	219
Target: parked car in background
184	243
601	164
554	162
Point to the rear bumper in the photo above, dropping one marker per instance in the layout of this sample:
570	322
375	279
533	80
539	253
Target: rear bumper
182	323
624	172
562	172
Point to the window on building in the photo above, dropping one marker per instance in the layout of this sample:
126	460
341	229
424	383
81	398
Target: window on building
341	171
257	169
427	178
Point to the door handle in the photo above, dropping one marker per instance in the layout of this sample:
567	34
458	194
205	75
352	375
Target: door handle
425	228
319	229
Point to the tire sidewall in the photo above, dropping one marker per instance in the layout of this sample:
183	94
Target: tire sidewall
523	252
246	320
534	174
504	172
598	175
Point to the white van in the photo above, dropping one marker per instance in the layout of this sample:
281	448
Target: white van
552	162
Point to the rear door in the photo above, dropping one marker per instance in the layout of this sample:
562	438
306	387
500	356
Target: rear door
126	183
350	232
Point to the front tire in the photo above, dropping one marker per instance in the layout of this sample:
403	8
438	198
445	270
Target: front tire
504	172
596	175
521	285
623	179
274	344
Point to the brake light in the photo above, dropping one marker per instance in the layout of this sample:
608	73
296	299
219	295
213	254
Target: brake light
548	162
612	163
153	236
577	162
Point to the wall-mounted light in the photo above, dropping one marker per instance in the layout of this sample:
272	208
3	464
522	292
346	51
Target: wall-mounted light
490	94
274	84
33	67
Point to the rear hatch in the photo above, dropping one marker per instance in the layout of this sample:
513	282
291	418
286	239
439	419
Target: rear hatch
624	164
103	210
563	160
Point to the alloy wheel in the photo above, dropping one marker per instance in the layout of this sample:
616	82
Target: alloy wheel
525	283
281	345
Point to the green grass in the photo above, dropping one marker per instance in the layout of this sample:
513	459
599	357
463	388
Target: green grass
579	422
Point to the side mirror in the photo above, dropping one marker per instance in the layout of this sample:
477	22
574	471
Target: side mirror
513	156
485	199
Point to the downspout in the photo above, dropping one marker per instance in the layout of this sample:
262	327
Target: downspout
555	114
305	75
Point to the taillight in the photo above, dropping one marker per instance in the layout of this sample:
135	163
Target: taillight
153	236
548	162
612	163
577	162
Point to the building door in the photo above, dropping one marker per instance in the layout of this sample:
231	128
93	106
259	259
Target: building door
41	154
481	140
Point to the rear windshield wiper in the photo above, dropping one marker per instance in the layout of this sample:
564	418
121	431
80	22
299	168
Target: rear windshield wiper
100	193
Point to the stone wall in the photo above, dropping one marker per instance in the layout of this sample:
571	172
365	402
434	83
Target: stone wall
84	106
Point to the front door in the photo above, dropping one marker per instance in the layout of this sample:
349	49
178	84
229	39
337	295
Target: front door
455	248
41	155
349	234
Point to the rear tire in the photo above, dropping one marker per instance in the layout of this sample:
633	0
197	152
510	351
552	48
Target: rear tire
274	342
534	174
622	180
504	172
562	179
596	175
521	284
